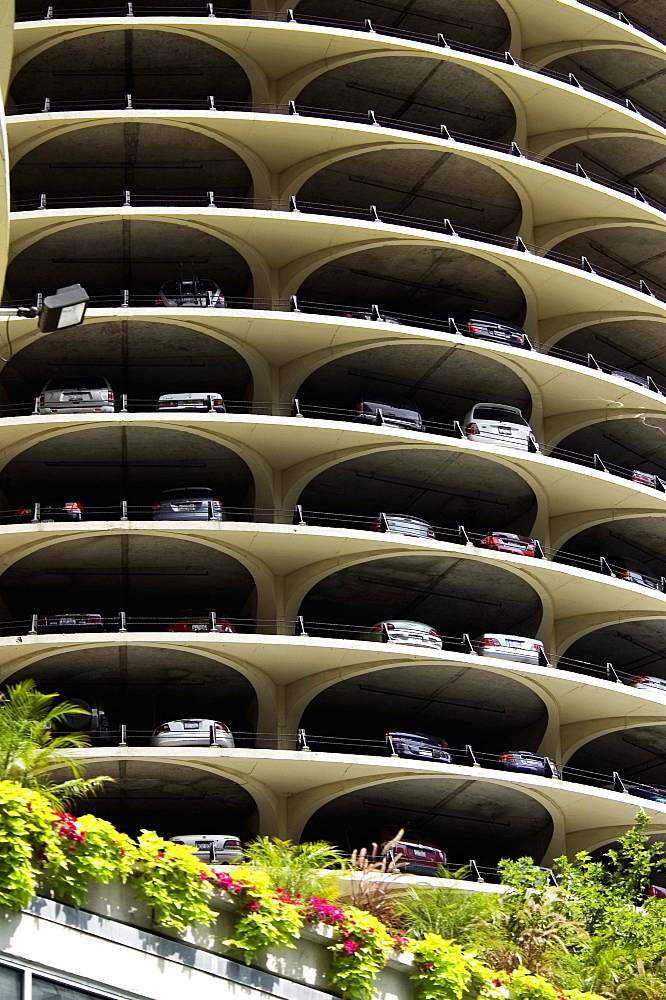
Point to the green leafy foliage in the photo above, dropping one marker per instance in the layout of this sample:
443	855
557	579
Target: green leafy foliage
442	970
27	836
29	749
172	880
360	951
91	850
300	869
267	917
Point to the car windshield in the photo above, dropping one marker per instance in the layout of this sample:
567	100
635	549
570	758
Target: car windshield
187	494
76	382
498	413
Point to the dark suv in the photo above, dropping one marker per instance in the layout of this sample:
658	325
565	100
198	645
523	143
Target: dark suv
485	326
407	417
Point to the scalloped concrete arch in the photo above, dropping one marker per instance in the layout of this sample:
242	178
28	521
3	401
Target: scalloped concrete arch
258	81
257	464
259	172
303	805
266	801
568	632
557	329
261	575
292	85
548	237
259	268
543	55
546	143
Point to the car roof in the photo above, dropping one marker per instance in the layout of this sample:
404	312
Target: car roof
404	621
506	635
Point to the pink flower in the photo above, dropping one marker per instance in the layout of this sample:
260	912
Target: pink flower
350	946
252	906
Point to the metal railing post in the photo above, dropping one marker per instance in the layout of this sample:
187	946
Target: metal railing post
293	207
463	537
130	10
379	417
375	313
457	429
592	361
293	304
303	741
125	300
211	204
598	463
453	326
49	12
301	627
618	784
542	659
474	871
389	740
538	550
47	105
296	409
298	514
383	520
35	408
33	625
211	736
211	102
467	643
123	403
128	199
604	567
124	515
37	513
212	620
123	736
42	201
128	102
470	756
549	767
122	621
611	674
211	12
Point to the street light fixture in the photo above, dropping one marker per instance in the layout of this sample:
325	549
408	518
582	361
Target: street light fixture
67	307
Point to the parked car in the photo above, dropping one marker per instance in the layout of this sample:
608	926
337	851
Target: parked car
215	848
76	394
59	624
528	763
485	326
633	572
639	380
418	746
414	859
363	314
70	510
406	632
190	293
494	423
191	402
656	892
650	792
200	625
646	681
401	524
92	719
644	478
509	647
504	541
189	503
407	417
191	733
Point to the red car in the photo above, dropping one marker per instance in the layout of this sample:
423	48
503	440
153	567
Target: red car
504	541
201	625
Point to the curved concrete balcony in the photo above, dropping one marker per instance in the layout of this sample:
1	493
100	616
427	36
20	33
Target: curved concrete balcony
574	601
283	151
569	497
282	249
288	673
280	59
290	787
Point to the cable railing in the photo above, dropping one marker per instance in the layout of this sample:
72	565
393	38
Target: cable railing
398	526
322	744
212	103
301	410
226	624
371	214
291	16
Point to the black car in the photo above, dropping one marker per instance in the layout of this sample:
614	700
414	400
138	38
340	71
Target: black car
190	293
190	503
70	510
391	414
485	326
650	792
528	763
418	746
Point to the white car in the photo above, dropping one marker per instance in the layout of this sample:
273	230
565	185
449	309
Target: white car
191	402
494	423
405	632
191	733
509	647
217	848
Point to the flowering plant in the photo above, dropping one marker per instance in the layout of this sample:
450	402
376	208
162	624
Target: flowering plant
361	949
171	879
266	918
90	850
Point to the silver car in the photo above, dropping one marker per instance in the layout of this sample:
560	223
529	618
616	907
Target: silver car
190	503
76	394
191	402
192	733
405	632
496	424
509	647
401	524
216	848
